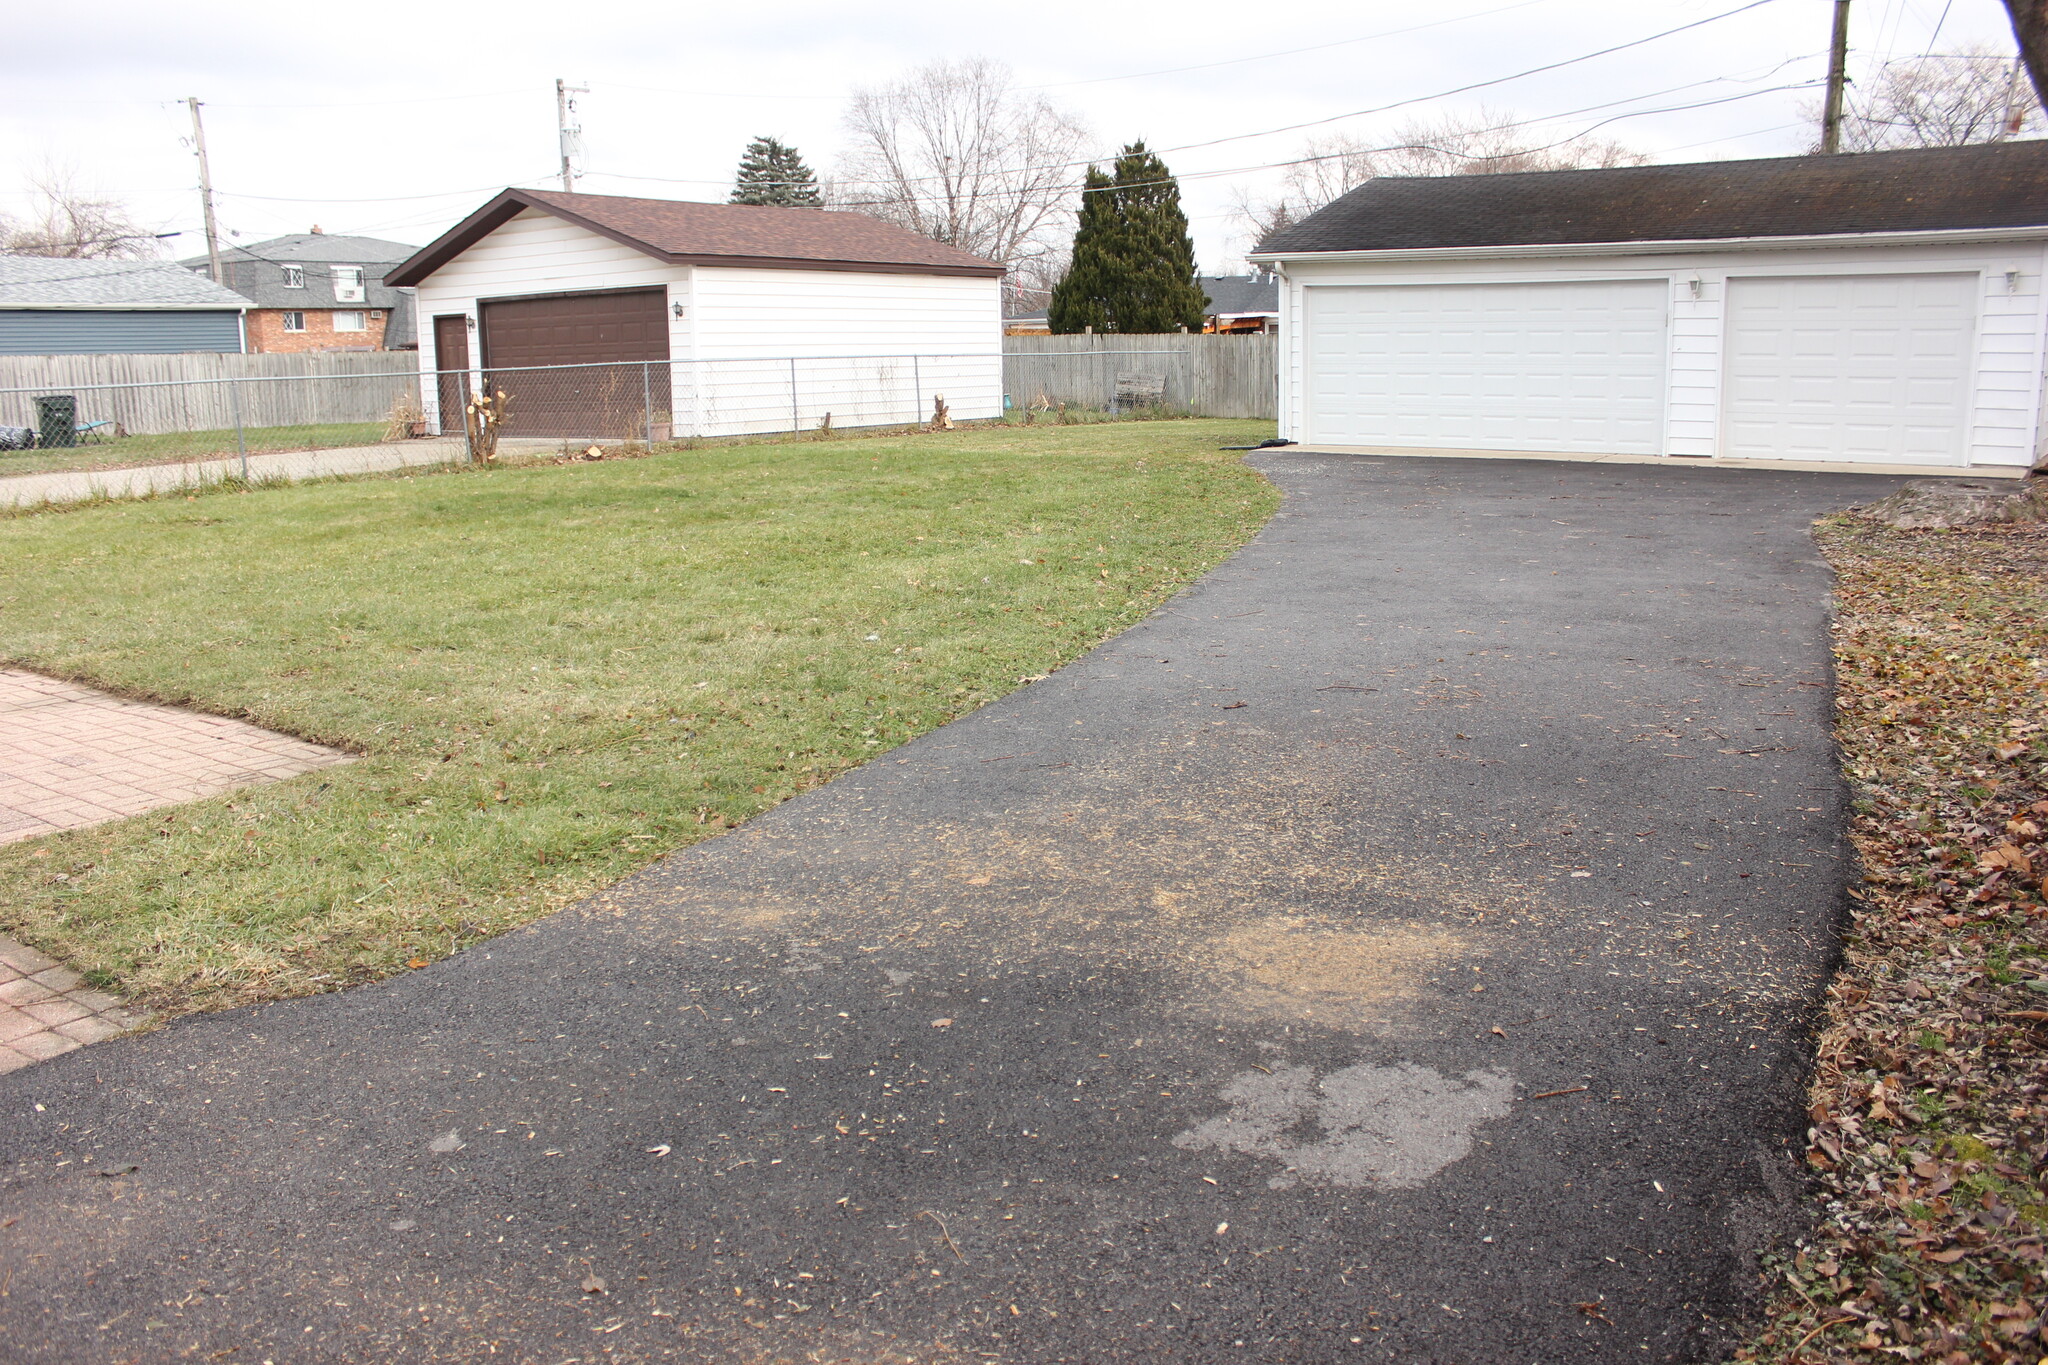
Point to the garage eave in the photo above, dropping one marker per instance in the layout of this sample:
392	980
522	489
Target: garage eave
1675	246
856	267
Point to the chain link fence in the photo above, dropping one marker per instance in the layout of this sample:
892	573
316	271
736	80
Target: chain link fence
477	413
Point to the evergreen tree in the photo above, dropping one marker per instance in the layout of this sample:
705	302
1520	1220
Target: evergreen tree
772	173
1134	264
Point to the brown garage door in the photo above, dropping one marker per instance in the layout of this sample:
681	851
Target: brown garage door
613	332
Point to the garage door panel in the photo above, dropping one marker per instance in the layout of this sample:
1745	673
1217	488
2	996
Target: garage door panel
1872	368
614	330
1539	367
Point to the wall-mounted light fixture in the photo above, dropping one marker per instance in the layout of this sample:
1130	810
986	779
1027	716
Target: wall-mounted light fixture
1693	286
470	322
2012	279
676	309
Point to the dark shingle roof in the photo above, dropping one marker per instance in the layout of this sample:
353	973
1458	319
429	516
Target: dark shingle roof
1239	294
1999	185
714	234
54	282
300	247
256	271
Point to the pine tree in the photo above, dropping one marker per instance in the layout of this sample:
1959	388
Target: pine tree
772	173
1134	263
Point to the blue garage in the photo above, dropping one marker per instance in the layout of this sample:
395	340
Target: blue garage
51	306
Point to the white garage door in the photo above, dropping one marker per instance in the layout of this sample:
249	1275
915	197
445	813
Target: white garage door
1873	368
1542	367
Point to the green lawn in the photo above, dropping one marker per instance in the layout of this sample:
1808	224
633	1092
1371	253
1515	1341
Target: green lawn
179	446
555	674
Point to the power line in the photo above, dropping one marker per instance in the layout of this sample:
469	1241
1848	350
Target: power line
1288	52
1478	85
1372	151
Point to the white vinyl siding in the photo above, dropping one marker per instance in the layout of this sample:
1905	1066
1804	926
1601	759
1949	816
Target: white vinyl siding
1866	368
1548	367
743	325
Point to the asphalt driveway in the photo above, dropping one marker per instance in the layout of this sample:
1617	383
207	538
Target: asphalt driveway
1398	949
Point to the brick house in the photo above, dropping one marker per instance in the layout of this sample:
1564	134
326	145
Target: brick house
319	292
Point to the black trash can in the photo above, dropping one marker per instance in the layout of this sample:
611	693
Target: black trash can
57	420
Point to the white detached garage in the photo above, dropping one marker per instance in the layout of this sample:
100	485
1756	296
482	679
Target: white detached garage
1873	309
611	316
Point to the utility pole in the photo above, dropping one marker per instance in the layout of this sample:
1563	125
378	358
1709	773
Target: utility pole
1838	78
571	134
206	192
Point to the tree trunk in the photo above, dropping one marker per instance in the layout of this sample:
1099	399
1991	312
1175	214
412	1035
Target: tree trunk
2030	26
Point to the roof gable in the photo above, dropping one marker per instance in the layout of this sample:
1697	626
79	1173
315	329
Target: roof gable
683	233
1998	185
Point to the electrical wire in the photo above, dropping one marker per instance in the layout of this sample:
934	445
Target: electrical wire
1478	85
1288	52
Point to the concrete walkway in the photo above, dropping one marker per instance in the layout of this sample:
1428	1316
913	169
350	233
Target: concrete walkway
80	485
1400	948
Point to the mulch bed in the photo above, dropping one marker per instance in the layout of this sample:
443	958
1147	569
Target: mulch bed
1927	1143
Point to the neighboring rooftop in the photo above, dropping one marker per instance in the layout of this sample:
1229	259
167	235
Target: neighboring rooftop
55	282
1236	296
257	271
685	233
314	246
1994	185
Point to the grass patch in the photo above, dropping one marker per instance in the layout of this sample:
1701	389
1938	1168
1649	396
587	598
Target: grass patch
1929	1143
556	673
178	447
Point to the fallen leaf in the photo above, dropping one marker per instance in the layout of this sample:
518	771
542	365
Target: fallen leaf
593	1284
942	1023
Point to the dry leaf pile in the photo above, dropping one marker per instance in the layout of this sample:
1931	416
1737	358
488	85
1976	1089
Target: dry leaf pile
1927	1141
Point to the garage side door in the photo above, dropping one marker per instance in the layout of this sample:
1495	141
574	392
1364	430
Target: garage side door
1576	367
1872	368
614	331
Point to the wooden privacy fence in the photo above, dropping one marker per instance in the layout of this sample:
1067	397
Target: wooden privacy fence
1209	376
150	395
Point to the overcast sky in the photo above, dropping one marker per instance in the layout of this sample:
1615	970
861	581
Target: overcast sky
395	120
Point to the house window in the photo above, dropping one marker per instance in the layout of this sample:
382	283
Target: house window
295	277
295	322
348	284
351	322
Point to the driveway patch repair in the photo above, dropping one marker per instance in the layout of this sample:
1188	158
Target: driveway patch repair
1402	947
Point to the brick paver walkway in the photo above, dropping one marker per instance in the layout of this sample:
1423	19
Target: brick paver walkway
70	757
47	1009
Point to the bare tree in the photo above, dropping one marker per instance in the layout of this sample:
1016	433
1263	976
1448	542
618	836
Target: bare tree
1485	143
1975	95
64	220
953	151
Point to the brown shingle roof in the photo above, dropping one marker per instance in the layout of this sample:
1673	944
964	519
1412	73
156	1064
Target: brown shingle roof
2000	185
713	234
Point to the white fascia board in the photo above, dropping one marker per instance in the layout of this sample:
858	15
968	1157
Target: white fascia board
1690	245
